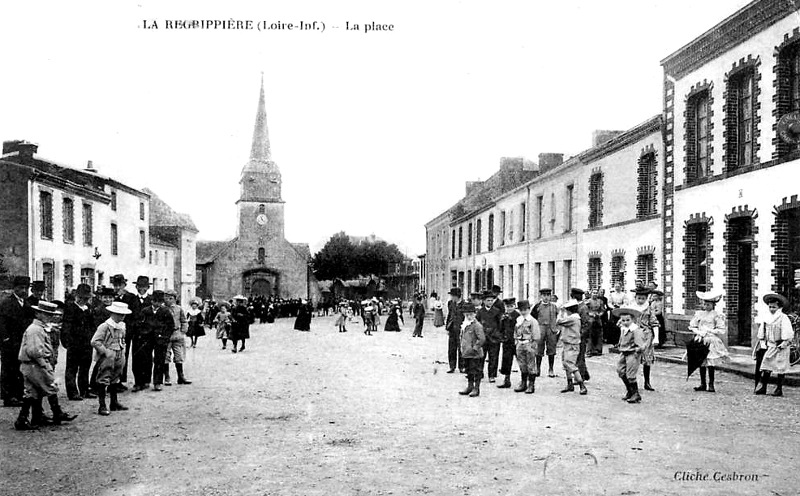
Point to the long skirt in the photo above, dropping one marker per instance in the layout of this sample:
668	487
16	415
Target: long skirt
438	317
649	352
776	360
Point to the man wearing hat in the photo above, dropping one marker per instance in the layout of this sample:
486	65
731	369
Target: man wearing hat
577	294
15	316
472	340
546	314
142	342
38	290
489	317
109	352
77	329
123	295
453	327
507	324
34	356
419	316
154	331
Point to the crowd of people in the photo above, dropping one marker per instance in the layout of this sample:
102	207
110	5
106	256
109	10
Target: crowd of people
484	328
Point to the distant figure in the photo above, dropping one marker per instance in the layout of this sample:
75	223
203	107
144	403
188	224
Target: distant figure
240	323
303	320
438	312
419	317
395	315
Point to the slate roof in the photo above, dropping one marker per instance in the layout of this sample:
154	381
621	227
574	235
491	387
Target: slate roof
163	215
207	251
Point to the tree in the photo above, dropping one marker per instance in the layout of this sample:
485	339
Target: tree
341	258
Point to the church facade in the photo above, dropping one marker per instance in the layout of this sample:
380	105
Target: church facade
259	260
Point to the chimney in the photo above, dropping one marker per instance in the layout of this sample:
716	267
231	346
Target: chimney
548	161
90	167
511	163
26	149
600	136
472	186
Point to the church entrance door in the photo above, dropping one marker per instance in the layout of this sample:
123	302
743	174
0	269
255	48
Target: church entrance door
262	287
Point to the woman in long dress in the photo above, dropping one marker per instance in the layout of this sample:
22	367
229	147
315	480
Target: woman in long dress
240	322
438	313
303	320
395	315
775	336
709	327
195	327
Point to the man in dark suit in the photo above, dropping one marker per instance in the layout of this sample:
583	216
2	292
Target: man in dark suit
121	294
453	327
489	317
15	316
38	289
143	342
77	329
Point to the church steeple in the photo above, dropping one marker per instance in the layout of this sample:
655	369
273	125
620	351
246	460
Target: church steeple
260	150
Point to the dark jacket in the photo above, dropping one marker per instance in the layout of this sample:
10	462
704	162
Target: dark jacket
14	319
419	311
77	327
508	323
134	306
490	320
454	317
158	323
240	322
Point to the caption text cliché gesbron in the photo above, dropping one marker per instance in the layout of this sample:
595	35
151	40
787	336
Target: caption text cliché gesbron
263	25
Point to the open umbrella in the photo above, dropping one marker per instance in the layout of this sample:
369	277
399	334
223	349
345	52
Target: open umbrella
696	353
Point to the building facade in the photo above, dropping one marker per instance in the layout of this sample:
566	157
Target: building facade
731	103
68	226
259	260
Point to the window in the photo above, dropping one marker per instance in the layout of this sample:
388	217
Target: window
698	138
478	279
521	282
647	189
788	92
478	227
460	241
697	270
262	209
47	276
502	227
156	257
69	277
261	255
453	243
453	279
469	282
150	257
502	277
491	232
523	221
645	268
68	215
537	277
141	210
114	201
87	224
551	270
740	144
567	277
553	214
511	226
87	276
596	199
539	215
490	278
511	277
114	240
46	214
461	282
568	206
594	273
618	271
142	243
469	238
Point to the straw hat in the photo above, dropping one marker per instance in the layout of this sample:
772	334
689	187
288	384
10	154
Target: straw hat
47	307
711	295
626	311
119	308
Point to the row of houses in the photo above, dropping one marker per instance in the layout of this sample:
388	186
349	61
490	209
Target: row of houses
67	226
700	196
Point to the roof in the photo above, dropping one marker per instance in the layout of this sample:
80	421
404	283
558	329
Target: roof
163	215
303	249
207	251
157	240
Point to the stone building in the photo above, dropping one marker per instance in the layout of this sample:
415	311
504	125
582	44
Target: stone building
731	103
258	260
584	221
68	226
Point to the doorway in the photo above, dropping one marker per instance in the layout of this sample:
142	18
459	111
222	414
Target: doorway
740	280
262	287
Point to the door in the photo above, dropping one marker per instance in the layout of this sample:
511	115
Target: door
740	281
744	310
262	287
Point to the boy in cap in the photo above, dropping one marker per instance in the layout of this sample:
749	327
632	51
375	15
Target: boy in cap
570	323
489	316
156	326
109	350
34	356
472	340
631	344
527	338
176	351
453	327
648	322
508	322
546	314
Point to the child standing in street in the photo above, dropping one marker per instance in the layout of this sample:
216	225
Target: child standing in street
570	323
631	344
222	322
109	350
527	338
472	341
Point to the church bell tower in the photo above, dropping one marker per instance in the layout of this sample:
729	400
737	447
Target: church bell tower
260	207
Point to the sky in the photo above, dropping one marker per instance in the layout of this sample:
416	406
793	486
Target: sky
374	132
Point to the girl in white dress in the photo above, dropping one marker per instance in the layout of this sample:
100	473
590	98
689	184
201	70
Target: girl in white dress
775	336
709	328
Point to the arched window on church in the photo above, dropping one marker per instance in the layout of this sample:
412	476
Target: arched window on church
261	254
262	209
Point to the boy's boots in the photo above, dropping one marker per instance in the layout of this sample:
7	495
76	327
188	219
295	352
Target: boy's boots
22	423
506	383
115	404
570	387
711	380
531	385
476	391
523	385
580	382
702	386
101	399
764	380
551	360
59	415
181	378
470	386
635	397
647	385
38	418
627	388
779	386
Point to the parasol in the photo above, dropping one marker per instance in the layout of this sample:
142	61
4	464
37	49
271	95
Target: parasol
696	353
